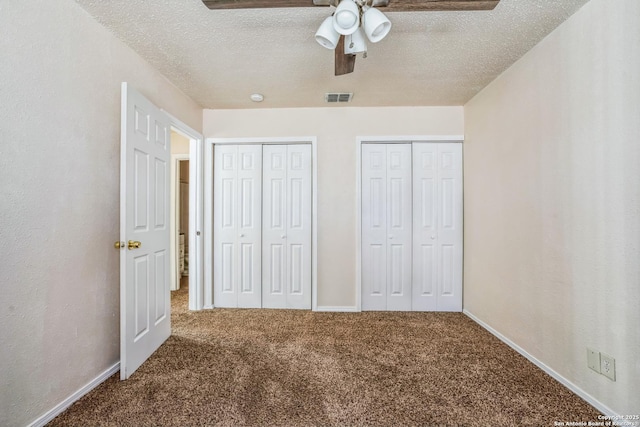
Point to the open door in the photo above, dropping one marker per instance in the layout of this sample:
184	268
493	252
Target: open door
145	320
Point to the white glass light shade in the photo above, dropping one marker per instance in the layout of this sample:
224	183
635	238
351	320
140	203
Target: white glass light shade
346	19
358	40
376	24
326	35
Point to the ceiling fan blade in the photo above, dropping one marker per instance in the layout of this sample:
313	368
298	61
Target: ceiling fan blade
255	4
393	5
439	5
344	62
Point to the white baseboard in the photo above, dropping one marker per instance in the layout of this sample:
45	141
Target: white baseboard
562	380
339	308
62	406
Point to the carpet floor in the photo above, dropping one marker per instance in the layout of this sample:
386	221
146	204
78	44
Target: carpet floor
298	368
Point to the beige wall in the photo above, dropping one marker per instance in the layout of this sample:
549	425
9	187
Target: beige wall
60	75
179	143
552	200
336	129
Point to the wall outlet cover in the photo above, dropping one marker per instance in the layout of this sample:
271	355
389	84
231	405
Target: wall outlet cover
608	366
593	359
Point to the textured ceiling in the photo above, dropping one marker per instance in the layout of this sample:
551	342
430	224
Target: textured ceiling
220	57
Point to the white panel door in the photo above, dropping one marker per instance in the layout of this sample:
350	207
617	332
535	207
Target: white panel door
386	227
286	229
450	222
145	320
374	227
437	221
237	225
425	228
399	229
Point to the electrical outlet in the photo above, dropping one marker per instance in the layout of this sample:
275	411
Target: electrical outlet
608	366
593	359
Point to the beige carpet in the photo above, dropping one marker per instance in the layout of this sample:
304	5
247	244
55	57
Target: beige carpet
298	368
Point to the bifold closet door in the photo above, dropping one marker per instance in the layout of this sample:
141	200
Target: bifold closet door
286	227
386	227
237	226
437	225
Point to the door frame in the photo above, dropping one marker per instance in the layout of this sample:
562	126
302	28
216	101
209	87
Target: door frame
402	139
196	260
207	203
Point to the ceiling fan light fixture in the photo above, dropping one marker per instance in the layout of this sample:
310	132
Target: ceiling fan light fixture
376	24
326	35
355	43
346	19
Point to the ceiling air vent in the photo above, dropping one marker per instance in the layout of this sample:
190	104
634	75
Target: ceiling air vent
338	97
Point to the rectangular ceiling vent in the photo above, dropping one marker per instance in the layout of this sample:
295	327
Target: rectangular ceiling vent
338	97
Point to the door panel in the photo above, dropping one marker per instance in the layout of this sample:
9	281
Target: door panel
161	302
141	285
237	225
144	286
287	227
399	229
386	226
226	270
437	269
274	230
425	202
374	227
298	233
450	227
225	229
250	225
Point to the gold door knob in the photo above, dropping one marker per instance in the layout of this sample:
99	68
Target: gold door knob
118	245
134	244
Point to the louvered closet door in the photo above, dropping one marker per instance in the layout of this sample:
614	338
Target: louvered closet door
437	222
237	226
386	227
286	238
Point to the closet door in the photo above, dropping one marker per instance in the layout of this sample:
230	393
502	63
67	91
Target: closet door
286	241
437	223
386	227
449	227
237	225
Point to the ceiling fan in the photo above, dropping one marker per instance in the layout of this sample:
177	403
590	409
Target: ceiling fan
353	20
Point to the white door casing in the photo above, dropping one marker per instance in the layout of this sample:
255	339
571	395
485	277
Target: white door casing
237	224
437	225
145	320
286	229
386	227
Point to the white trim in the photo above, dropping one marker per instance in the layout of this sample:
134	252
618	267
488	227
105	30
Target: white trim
207	202
562	380
173	222
382	140
338	309
62	406
196	225
314	225
395	139
276	140
196	260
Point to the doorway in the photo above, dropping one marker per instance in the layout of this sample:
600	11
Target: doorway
410	224
211	271
186	214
